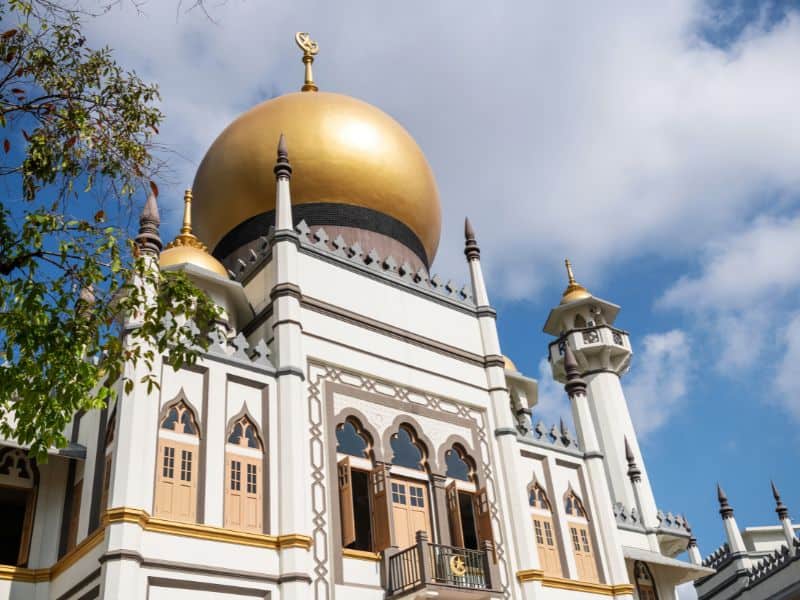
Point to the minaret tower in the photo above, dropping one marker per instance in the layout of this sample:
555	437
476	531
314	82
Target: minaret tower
603	353
783	517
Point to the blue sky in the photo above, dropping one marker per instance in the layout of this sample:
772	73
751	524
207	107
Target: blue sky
656	145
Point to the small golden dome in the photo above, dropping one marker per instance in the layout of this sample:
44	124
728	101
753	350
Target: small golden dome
574	291
509	365
186	248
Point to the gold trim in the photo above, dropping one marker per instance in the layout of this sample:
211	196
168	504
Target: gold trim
25	575
575	586
140	517
360	554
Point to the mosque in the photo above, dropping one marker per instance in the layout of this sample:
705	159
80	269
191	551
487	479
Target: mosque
354	430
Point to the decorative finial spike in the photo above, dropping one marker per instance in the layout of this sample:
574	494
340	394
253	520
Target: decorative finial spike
471	249
310	49
575	384
724	507
628	451
570	275
780	507
282	167
634	472
148	241
186	238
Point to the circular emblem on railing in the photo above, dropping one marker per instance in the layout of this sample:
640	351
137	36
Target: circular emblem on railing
457	566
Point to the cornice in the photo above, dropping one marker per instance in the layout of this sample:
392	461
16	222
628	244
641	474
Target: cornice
361	554
573	585
23	574
141	518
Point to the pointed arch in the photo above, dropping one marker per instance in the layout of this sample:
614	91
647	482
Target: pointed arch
646	587
573	505
538	498
177	461
245	460
242	430
408	450
458	463
544	530
19	475
354	439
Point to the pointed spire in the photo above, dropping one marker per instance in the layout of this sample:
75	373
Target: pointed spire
574	290
780	507
724	508
186	237
471	249
282	167
148	240
634	472
575	384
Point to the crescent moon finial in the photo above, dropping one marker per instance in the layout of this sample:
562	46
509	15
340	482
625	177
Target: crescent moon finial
310	49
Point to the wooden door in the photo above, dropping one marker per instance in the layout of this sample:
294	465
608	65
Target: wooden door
584	554
546	545
454	514
483	519
176	481
243	497
409	510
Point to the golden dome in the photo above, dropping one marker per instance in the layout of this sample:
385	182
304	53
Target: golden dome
509	365
186	248
343	152
574	291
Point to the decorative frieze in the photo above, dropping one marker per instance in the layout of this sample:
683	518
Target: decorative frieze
718	557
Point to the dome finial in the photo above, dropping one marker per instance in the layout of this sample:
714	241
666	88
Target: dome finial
574	291
187	212
310	49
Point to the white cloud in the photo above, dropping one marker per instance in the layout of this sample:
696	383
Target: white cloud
602	131
657	385
786	378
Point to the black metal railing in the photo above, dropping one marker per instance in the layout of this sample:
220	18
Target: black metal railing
435	564
460	567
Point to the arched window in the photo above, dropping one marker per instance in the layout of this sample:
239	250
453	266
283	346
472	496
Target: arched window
244	458
176	464
579	321
645	584
352	439
409	494
409	452
544	530
582	545
19	482
363	507
461	495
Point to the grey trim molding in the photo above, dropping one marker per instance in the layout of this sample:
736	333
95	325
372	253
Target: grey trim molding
596	371
285	289
286	235
233	362
486	311
280	371
494	360
121	555
571	451
593	454
287	322
91	594
81	584
501	431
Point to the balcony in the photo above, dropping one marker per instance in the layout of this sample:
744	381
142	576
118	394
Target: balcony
427	570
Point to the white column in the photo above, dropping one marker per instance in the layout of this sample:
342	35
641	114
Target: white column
783	517
294	507
511	479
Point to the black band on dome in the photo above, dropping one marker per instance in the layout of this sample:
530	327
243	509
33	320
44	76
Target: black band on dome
321	214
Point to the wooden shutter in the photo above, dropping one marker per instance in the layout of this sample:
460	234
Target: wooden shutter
381	531
75	514
584	556
233	492
27	529
106	484
346	502
454	514
483	516
546	546
252	510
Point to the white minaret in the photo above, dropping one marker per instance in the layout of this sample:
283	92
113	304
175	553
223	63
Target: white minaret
524	545
294	507
603	354
587	437
649	519
691	548
783	517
